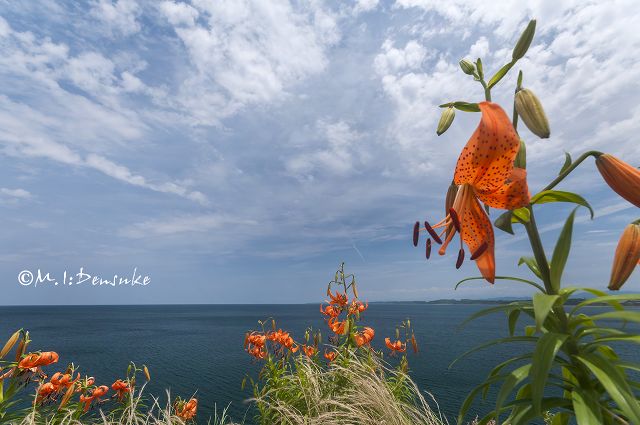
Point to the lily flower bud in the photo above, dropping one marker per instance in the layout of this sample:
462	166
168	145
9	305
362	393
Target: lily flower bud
626	257
525	41
623	178
10	343
521	157
530	110
467	67
448	114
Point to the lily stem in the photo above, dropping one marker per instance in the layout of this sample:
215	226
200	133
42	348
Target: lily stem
570	168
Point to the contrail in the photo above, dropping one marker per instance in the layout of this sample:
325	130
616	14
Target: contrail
353	244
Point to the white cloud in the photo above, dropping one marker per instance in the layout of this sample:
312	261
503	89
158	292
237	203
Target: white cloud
362	6
15	193
179	13
393	60
47	121
118	17
183	224
338	153
247	52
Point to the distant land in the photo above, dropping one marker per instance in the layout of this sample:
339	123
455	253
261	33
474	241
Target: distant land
497	301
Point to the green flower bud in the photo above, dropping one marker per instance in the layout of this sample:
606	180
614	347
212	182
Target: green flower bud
448	114
467	67
521	157
525	41
530	110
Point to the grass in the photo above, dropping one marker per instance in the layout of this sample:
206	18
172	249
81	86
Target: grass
132	414
361	390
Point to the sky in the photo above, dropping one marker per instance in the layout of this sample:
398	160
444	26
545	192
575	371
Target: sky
238	151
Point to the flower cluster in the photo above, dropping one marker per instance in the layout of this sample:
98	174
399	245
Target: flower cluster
61	387
186	409
342	314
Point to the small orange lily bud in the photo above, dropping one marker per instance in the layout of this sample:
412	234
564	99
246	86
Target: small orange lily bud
626	257
623	178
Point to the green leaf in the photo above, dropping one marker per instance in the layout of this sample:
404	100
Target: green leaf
513	379
479	68
567	163
560	418
543	358
494	342
561	252
613	300
521	215
462	106
548	196
529	330
542	305
514	279
631	316
532	264
502	307
615	383
466	404
513	320
503	222
585	409
501	73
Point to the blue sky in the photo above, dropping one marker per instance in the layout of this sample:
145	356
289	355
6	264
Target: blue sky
238	151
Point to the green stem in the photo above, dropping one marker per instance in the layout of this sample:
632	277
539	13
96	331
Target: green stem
487	91
571	167
538	251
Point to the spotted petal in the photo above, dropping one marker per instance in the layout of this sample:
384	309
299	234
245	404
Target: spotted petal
486	162
513	194
475	230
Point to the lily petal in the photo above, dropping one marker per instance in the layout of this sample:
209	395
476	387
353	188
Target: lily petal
486	162
514	194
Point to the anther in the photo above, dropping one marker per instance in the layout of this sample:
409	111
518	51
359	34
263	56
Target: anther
460	258
481	249
433	233
416	233
428	251
454	219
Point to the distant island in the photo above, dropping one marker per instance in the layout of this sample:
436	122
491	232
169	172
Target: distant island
498	301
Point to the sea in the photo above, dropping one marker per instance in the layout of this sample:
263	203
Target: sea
198	349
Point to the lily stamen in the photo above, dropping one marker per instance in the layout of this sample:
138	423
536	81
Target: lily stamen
433	233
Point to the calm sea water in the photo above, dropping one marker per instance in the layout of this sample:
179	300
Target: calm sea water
199	348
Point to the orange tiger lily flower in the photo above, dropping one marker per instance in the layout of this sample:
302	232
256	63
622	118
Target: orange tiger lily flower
336	326
339	299
330	310
63	381
309	350
33	360
357	307
330	355
484	173
121	388
364	337
396	346
255	338
188	410
95	395
45	390
257	352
